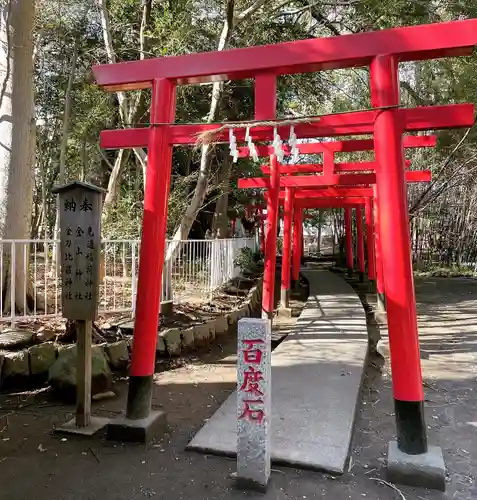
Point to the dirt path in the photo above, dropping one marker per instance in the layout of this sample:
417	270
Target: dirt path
98	470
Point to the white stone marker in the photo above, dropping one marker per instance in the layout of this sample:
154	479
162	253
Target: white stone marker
253	403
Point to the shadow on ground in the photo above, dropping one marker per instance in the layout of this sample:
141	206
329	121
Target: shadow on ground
36	464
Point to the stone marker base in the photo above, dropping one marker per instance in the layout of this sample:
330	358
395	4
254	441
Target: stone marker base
285	312
284	299
243	483
380	302
3	421
95	425
381	317
137	431
426	470
252	437
167	308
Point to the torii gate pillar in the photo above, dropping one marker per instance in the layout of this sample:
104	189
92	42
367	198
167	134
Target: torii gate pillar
140	421
286	252
396	259
370	244
348	225
360	242
297	231
380	297
265	109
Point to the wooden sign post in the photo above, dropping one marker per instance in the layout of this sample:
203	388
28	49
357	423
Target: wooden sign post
80	250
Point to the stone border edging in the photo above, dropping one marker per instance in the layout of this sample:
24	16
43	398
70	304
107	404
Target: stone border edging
175	341
35	361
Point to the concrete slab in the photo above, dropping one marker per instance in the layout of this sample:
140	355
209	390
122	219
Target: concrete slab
95	425
426	470
316	379
137	431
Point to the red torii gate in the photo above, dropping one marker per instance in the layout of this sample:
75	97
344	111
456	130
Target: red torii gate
309	181
329	149
316	168
298	182
345	146
337	195
348	204
381	51
329	169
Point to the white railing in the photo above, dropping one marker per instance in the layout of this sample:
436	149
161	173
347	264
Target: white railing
198	269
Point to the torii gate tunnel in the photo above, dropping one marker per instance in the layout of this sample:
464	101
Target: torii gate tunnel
294	185
329	169
328	149
381	51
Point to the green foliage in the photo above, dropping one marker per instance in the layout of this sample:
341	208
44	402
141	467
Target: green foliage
248	259
188	26
124	222
446	272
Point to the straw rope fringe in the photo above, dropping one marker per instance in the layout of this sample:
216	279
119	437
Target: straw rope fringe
208	136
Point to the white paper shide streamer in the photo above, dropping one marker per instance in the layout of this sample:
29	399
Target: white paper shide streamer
252	150
233	145
292	141
277	145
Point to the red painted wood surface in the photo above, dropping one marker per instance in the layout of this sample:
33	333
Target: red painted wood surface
348	238
296	257
360	239
331	192
310	168
353	123
265	109
308	181
394	235
330	203
456	38
370	243
287	239
377	239
348	146
153	241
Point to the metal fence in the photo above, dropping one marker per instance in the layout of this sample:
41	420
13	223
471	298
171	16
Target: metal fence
32	279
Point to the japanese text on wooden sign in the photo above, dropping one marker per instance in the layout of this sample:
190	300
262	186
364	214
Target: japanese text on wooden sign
80	245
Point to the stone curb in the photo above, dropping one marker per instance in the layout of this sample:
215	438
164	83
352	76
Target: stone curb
173	342
36	360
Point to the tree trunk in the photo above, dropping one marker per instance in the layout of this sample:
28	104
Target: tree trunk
17	148
200	191
55	261
182	233
129	109
221	221
113	183
320	224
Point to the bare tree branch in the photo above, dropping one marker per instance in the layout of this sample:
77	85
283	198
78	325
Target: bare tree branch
316	14
442	169
127	110
111	55
250	11
417	98
134	107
